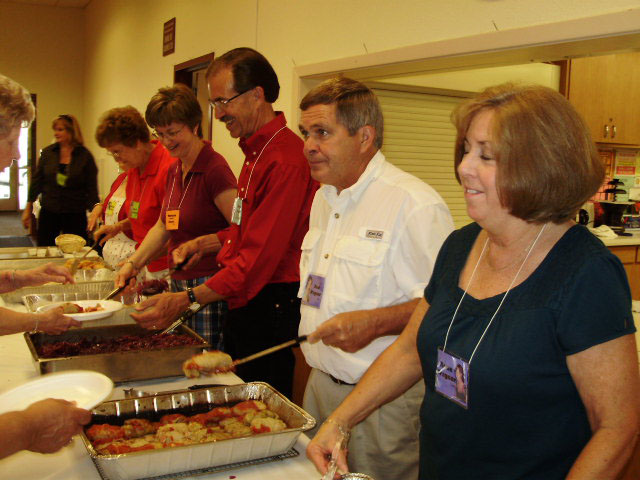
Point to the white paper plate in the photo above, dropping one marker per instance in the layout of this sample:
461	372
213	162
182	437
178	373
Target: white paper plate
109	306
86	388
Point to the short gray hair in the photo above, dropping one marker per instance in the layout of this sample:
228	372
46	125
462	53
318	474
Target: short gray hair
16	107
356	104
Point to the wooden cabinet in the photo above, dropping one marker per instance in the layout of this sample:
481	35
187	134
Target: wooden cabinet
629	255
606	91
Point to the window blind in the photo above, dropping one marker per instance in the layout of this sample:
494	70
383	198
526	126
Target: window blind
419	138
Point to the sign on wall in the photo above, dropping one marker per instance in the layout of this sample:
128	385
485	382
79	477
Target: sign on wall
169	37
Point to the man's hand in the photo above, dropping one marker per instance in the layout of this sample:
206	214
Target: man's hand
107	232
51	424
159	311
190	250
49	272
349	331
54	322
320	448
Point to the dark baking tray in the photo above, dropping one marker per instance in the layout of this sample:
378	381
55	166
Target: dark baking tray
119	366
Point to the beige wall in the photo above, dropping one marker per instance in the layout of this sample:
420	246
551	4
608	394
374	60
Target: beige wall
42	48
124	63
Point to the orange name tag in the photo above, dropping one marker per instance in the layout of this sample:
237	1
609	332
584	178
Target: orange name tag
172	219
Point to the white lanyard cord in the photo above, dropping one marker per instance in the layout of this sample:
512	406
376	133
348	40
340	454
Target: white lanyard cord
503	297
184	194
246	192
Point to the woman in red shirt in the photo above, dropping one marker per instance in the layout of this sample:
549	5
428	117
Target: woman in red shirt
125	135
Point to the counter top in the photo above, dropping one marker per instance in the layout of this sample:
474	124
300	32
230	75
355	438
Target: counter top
73	462
621	241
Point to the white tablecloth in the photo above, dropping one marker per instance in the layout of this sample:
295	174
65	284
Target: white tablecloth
74	463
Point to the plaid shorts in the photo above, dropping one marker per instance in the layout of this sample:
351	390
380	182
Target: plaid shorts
207	322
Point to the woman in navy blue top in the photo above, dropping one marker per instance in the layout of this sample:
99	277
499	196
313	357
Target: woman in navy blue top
525	335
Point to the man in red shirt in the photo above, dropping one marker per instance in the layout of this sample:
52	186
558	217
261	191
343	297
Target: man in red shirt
259	253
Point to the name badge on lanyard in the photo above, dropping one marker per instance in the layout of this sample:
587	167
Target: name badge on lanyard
111	206
61	179
236	212
313	289
135	208
172	219
452	378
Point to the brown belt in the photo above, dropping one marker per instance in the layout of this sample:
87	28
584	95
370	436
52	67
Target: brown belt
338	381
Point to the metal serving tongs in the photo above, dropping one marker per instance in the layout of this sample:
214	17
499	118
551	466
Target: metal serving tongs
332	468
76	261
173	270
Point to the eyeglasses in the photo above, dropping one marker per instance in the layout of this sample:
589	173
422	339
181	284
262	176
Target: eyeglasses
115	155
168	135
222	102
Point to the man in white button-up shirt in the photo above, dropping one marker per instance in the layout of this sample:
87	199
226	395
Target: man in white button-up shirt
374	233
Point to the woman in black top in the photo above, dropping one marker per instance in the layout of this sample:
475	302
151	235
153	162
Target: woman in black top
66	177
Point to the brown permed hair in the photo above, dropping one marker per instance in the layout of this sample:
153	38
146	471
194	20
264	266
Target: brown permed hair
123	125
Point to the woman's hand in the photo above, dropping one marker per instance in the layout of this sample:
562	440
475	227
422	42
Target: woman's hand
53	322
94	216
126	274
49	272
26	218
107	232
52	423
321	447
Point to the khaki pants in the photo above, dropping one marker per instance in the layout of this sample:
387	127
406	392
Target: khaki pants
385	445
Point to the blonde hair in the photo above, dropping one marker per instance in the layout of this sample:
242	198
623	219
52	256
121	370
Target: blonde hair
16	107
547	163
71	125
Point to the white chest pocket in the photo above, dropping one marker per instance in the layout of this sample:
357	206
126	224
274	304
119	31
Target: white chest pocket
357	276
308	244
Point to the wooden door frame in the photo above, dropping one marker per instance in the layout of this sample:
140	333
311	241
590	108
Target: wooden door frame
183	73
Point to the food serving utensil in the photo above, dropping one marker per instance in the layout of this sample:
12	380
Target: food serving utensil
290	343
76	261
333	463
173	270
186	315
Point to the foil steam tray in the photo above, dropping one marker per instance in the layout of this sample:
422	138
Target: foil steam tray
34	297
89	289
118	366
173	460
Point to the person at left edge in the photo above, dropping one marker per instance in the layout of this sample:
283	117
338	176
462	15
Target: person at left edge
67	180
124	134
259	252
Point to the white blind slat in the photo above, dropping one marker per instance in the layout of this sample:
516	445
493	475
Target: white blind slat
419	138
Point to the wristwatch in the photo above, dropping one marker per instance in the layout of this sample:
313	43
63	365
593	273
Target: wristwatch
192	298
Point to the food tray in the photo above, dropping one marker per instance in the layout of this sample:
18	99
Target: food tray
210	470
85	288
12	253
177	460
34	297
119	366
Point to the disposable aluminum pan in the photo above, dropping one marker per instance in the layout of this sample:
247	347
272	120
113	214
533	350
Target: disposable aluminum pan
173	460
59	292
119	366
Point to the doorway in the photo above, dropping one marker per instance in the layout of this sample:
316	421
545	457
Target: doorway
192	74
14	181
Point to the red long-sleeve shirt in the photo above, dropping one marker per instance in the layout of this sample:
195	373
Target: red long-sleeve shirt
278	191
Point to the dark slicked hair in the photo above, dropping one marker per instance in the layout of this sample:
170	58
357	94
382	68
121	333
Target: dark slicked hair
250	69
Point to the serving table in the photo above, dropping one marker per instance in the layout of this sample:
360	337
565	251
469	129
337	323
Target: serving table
73	462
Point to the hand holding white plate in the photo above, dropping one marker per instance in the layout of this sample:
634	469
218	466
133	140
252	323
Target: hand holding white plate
108	307
84	387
